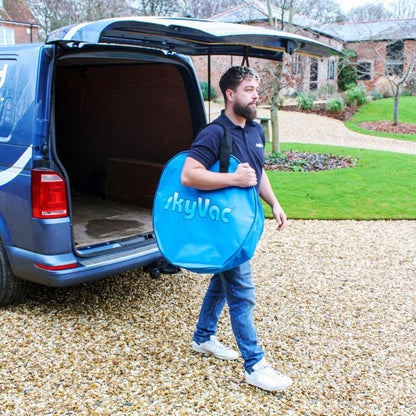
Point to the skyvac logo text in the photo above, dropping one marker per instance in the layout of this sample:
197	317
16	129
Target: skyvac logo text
202	207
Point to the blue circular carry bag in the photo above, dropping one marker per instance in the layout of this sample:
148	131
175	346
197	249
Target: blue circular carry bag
205	231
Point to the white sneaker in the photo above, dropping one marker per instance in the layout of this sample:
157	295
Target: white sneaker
216	348
265	377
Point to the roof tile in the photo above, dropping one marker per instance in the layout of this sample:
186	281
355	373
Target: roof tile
18	11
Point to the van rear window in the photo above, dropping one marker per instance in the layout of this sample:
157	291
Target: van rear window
7	92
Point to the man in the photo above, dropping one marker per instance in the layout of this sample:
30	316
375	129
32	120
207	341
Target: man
240	86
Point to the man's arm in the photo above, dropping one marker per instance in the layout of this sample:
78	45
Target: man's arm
267	194
195	175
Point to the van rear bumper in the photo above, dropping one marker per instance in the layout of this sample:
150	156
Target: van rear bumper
68	269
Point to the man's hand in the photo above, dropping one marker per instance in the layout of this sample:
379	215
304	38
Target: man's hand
280	216
245	176
266	192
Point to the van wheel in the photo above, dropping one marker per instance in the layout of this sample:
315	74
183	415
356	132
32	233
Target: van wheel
12	289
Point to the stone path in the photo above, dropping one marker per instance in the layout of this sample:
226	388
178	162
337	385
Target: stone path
297	127
310	128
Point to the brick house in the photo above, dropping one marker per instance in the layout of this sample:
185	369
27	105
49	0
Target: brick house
17	23
391	43
383	47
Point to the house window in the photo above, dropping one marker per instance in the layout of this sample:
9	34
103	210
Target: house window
331	69
313	77
364	71
394	58
6	36
297	67
1	4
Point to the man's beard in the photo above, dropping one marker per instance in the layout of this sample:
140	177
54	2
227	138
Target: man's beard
249	112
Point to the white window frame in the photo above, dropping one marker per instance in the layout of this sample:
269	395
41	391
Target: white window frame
364	75
6	36
331	69
395	53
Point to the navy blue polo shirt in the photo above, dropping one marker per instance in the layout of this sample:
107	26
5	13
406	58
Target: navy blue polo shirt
248	144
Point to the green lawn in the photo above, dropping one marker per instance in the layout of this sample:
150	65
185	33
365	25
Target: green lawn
383	110
382	186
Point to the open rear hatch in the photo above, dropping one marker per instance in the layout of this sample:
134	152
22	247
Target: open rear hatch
193	37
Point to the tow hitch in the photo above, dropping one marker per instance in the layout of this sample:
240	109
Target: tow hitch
161	267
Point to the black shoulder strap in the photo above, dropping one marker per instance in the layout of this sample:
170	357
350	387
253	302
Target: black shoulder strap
226	148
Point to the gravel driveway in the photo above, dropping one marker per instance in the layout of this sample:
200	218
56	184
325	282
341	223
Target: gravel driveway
336	310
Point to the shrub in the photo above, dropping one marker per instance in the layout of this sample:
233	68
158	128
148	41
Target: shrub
305	101
204	89
410	84
356	95
350	87
335	105
219	100
294	161
347	72
326	90
383	87
376	95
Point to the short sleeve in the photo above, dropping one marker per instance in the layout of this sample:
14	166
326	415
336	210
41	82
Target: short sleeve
206	147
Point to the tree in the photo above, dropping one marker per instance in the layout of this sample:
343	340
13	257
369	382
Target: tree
53	14
323	11
398	59
289	73
204	8
401	9
368	12
91	10
277	74
154	7
398	9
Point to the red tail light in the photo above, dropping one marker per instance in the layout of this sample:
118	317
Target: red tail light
48	194
61	267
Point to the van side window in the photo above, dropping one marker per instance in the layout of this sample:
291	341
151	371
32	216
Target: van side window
7	91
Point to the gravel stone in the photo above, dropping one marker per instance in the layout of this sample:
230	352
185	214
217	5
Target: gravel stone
336	310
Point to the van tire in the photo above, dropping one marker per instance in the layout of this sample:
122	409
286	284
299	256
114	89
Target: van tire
12	289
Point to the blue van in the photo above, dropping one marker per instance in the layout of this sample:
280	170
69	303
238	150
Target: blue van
87	121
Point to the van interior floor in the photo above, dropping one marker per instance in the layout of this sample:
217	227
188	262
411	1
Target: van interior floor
96	220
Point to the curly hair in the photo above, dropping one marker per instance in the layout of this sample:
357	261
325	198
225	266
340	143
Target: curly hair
234	76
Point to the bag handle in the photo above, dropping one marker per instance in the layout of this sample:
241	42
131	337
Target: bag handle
226	148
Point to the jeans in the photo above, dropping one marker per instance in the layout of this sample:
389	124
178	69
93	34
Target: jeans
235	287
